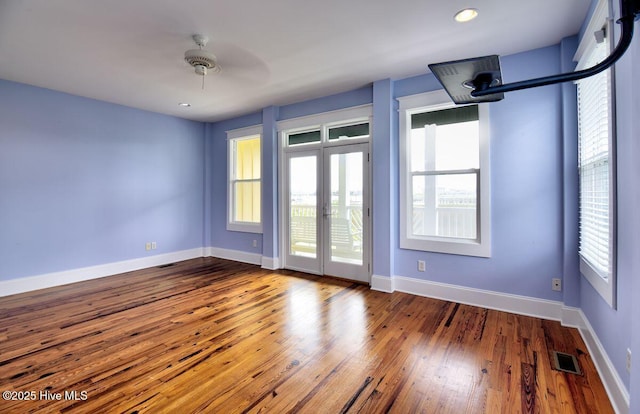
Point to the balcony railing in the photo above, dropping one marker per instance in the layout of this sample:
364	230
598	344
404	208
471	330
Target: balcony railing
346	230
450	221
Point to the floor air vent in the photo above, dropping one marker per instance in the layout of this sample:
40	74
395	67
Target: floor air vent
566	362
165	265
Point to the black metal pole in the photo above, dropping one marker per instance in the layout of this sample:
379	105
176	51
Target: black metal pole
630	11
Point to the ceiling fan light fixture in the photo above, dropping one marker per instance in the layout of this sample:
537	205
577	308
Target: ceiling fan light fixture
202	61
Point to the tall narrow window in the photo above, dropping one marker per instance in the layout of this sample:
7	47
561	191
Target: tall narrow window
245	184
596	145
444	176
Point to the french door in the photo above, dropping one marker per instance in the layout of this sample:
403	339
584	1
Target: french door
327	211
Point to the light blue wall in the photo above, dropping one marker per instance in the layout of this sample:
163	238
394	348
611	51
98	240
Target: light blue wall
84	182
527	184
619	329
570	187
384	183
534	194
270	182
633	218
217	184
267	242
526	187
356	97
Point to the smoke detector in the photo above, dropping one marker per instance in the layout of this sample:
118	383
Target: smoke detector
201	60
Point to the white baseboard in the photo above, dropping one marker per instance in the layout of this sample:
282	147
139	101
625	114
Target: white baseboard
572	317
523	305
236	255
618	394
26	284
29	283
382	283
270	263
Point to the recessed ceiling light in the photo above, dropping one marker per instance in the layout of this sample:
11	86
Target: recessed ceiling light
184	105
466	15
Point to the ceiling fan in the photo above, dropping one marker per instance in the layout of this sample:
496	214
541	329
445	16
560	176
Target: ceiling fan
242	68
201	60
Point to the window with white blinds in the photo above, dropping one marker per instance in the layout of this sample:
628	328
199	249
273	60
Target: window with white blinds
593	124
596	163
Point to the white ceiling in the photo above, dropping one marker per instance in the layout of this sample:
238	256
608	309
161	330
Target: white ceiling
272	52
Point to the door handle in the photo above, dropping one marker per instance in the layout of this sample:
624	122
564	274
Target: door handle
326	211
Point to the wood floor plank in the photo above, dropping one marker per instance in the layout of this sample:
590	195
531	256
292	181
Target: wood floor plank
209	335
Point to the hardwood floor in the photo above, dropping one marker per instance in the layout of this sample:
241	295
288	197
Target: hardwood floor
208	335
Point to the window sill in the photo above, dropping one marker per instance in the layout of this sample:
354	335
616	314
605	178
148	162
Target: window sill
604	287
245	227
458	246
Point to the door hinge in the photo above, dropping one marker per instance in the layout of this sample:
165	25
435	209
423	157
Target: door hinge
368	157
368	212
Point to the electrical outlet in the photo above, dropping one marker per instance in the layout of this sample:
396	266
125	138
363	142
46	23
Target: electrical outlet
628	360
421	265
147	246
556	284
153	245
255	243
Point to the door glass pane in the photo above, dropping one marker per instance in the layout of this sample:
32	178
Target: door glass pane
346	206
303	203
304	138
350	131
445	205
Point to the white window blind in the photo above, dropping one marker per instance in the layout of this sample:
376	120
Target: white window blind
595	118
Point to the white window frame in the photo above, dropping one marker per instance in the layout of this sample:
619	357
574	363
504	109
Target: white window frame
324	122
481	246
603	282
234	136
321	121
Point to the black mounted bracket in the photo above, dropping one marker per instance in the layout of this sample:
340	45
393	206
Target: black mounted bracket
479	79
